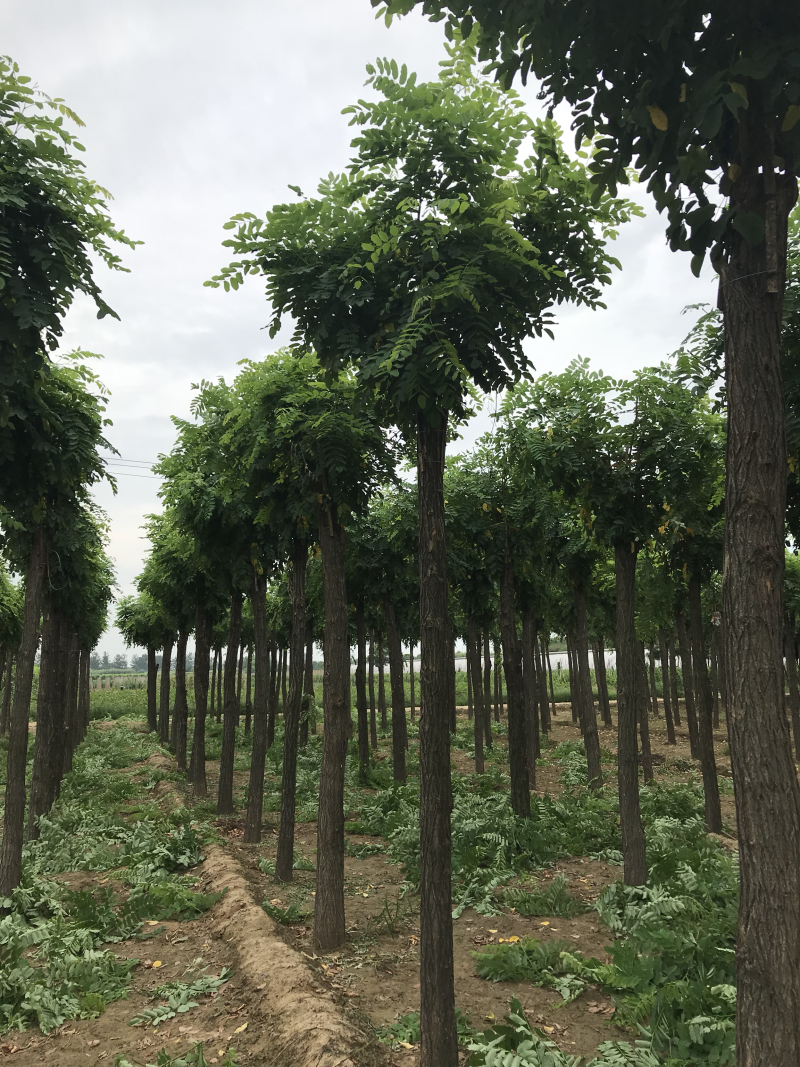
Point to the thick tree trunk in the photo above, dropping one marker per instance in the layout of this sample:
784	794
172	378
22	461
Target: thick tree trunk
230	713
7	691
487	692
474	657
673	680
530	681
702	688
329	921
382	685
791	677
633	844
666	686
272	712
291	715
255	788
248	700
362	710
202	654
180	713
688	683
764	775
163	707
152	689
399	728
439	1043
591	739
512	666
48	707
373	723
14	815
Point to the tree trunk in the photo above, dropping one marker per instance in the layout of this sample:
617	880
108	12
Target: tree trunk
180	713
643	713
512	666
487	691
284	677
152	689
291	714
239	685
248	701
308	688
474	658
411	679
673	680
546	654
498	691
202	654
451	675
714	678
329	921
274	681
652	678
163	708
791	677
308	678
666	686
373	725
7	690
688	683
591	739
541	670
84	692
633	845
70	699
439	1043
362	710
469	690
382	685
702	687
529	682
399	728
14	815
214	683
764	775
230	713
572	678
48	707
599	655
255	788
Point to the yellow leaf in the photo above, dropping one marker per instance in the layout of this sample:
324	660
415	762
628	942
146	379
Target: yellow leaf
740	90
734	170
152	922
156	963
657	117
791	118
492	931
682	97
545	923
405	1044
240	1029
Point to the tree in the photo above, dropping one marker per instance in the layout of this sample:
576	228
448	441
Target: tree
697	95
141	622
425	268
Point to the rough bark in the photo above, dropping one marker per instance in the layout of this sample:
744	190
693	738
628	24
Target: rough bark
688	683
633	845
329	920
666	686
284	862
362	709
791	677
591	739
705	732
764	776
512	666
474	657
373	723
180	712
202	654
14	815
439	1044
530	681
255	788
163	706
230	714
397	686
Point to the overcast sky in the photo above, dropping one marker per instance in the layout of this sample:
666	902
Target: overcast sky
196	110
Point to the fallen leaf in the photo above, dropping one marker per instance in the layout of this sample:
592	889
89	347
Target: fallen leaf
492	931
156	963
240	1029
151	922
403	1044
548	1029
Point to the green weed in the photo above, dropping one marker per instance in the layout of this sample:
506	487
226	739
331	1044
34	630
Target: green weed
178	998
554	899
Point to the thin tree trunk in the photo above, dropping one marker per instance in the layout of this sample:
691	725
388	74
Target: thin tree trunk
512	665
529	682
633	844
239	685
230	713
439	1043
373	725
47	708
487	691
591	739
73	738
7	690
84	692
255	788
220	701
329	920
791	678
571	675
399	728
14	814
152	689
714	677
599	656
498	682
214	683
382	685
643	713
362	710
666	685
166	682
764	776
688	683
469	690
652	677
673	678
202	654
285	675
546	652
180	714
308	681
541	670
411	679
474	657
702	687
451	676
291	715
274	681
55	769
248	701
308	685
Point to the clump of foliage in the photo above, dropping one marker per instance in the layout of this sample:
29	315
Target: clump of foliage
554	899
405	1031
285	915
178	998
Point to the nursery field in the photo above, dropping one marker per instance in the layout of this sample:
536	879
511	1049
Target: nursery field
145	931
